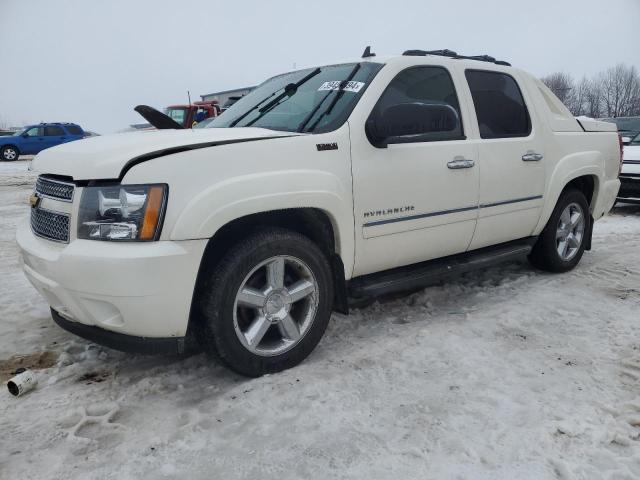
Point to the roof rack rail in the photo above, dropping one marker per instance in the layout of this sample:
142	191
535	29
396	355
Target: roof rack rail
452	54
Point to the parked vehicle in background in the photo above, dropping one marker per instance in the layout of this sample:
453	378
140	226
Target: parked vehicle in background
88	134
628	127
322	185
6	133
189	116
630	174
35	138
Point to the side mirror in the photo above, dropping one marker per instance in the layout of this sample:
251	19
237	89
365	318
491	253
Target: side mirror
626	140
24	135
413	122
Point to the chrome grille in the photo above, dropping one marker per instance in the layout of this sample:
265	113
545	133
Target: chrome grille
55	188
51	225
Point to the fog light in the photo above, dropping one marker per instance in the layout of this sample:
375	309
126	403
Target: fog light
112	231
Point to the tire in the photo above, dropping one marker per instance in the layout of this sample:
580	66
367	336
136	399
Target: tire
546	253
10	153
231	326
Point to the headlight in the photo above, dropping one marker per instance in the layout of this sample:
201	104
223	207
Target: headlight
122	212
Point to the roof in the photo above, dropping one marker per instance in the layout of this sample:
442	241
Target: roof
53	123
442	57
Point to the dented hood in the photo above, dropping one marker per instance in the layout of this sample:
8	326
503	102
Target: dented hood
108	156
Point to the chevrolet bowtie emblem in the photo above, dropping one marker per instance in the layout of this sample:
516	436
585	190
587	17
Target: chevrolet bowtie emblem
34	200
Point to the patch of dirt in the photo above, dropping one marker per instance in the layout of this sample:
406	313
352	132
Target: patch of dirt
32	361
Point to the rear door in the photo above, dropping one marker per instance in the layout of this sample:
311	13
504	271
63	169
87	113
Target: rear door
54	135
511	159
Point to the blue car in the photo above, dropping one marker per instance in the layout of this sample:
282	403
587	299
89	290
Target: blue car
35	138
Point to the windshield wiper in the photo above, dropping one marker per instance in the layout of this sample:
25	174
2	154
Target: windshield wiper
289	90
338	96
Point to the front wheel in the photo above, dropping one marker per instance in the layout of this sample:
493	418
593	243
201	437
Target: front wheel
10	153
266	305
561	244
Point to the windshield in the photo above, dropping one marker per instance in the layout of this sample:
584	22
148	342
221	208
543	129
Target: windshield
177	114
312	100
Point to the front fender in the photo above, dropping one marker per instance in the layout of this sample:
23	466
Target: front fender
568	168
244	195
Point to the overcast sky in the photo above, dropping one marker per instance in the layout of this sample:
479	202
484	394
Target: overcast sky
91	62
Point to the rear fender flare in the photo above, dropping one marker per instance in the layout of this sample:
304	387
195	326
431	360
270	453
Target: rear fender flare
570	167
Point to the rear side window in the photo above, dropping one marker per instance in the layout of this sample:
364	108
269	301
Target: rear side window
74	130
499	105
53	131
426	85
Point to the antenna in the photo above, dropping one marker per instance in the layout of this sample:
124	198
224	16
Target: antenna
189	96
368	53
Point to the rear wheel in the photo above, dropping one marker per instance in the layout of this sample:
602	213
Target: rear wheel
561	244
10	153
266	305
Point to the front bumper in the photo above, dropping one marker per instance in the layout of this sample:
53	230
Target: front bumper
131	289
122	342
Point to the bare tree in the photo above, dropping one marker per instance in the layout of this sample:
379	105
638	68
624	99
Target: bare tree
613	93
581	92
590	98
562	85
620	91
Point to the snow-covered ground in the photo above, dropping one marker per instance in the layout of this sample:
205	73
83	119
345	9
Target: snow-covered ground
504	374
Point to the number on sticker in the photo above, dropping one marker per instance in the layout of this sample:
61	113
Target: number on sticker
351	86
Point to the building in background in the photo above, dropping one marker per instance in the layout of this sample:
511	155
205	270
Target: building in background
227	98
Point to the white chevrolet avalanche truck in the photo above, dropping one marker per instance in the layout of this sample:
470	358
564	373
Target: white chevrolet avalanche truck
320	189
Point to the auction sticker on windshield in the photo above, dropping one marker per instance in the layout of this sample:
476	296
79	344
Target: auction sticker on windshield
354	87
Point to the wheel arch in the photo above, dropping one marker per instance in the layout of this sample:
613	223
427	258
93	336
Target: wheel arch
314	223
582	171
17	149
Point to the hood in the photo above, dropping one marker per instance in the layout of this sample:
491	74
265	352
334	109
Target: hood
157	119
106	156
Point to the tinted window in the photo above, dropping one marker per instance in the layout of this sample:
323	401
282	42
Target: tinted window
500	108
53	131
74	130
425	85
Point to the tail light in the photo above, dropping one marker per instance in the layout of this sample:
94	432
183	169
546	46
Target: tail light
621	153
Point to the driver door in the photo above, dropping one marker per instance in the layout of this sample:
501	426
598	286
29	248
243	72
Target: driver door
417	198
32	141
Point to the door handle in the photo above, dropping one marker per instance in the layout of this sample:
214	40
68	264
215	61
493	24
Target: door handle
457	163
532	157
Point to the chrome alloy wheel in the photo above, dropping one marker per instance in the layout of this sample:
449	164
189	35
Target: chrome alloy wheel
570	231
275	305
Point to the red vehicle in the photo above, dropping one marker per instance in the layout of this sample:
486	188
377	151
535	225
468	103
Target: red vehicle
190	115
